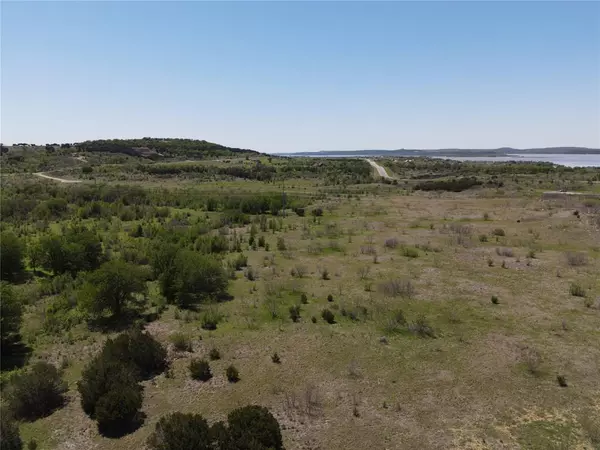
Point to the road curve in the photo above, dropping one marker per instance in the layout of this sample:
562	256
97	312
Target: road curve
380	169
62	180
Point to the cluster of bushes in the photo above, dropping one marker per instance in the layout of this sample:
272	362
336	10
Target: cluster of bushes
109	387
453	185
247	428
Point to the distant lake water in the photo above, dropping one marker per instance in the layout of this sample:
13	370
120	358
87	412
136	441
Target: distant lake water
569	160
564	159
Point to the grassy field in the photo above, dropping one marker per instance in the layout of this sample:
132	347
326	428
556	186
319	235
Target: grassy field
453	312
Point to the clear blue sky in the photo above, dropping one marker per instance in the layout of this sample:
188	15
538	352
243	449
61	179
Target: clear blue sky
282	77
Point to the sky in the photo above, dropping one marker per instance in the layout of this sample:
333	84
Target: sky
303	76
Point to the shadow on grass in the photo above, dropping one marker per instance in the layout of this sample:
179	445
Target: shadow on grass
120	429
15	355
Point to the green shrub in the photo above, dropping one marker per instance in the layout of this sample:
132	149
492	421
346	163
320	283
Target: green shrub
576	290
313	319
483	238
118	407
200	369
232	374
253	427
303	299
281	244
494	300
330	298
214	354
498	232
178	431
275	358
410	252
328	316
422	328
181	342
140	349
562	381
295	313
36	392
9	433
210	320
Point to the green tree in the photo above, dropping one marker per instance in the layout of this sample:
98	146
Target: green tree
193	278
36	392
140	349
11	312
9	433
78	250
11	257
179	431
112	287
117	408
36	255
252	428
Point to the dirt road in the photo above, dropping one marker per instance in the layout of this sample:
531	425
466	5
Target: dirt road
62	180
380	169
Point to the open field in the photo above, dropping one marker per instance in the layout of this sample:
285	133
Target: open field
454	312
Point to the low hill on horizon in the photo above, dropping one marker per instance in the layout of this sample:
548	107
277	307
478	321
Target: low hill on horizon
502	151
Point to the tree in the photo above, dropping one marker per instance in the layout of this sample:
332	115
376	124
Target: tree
9	433
78	250
36	392
36	255
253	427
112	287
118	407
139	349
11	312
11	257
200	369
179	431
193	278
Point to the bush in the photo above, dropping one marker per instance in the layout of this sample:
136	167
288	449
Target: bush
422	328
396	323
576	290
410	252
498	232
275	358
330	298
325	273
210	320
99	377
328	316
391	243
181	342
576	259
253	427
232	374
395	288
313	319
295	313
118	407
303	299
9	433
214	354
281	244
37	392
562	381
455	185
483	238
200	369
508	252
494	300
180	431
140	349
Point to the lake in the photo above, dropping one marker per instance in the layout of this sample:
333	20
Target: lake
569	160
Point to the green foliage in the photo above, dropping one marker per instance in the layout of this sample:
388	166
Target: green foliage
118	407
576	290
303	299
495	300
275	358
77	250
181	342
139	349
11	257
200	369
295	313
330	298
214	354
253	428
11	313
498	232
453	185
112	287
180	431
232	374
9	433
328	316
193	278
36	392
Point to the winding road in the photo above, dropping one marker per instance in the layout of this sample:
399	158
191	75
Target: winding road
380	169
62	180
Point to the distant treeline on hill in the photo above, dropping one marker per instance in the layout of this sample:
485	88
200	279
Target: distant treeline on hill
157	147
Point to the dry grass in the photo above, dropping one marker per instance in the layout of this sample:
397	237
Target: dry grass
472	383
